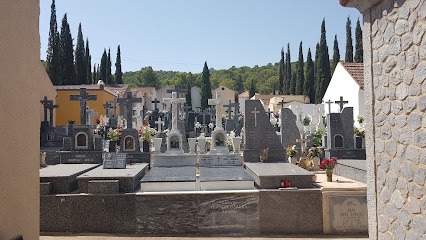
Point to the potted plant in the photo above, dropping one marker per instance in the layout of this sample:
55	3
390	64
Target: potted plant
328	165
314	155
360	133
291	153
114	135
145	134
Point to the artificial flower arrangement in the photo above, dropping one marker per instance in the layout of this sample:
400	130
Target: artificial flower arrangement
147	115
328	163
291	151
314	152
114	134
197	125
306	121
145	133
229	144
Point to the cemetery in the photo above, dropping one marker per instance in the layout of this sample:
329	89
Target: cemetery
216	171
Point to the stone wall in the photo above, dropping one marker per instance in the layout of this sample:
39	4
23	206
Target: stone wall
395	71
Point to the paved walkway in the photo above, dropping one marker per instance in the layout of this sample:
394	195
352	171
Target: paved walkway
263	237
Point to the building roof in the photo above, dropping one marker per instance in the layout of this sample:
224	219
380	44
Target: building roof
244	94
265	98
145	91
88	87
119	89
356	70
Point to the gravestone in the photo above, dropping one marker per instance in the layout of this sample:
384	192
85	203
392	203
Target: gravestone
114	160
259	134
289	129
49	137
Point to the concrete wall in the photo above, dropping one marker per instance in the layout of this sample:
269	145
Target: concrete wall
46	89
226	93
20	126
395	96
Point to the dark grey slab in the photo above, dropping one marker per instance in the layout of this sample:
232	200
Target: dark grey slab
238	173
289	130
128	178
45	188
138	157
170	174
63	176
84	157
270	175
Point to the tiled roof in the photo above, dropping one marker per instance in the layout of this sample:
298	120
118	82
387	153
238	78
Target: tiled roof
144	90
356	70
119	89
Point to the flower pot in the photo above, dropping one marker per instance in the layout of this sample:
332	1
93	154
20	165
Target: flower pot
201	145
191	143
292	159
157	144
145	146
112	146
236	141
329	173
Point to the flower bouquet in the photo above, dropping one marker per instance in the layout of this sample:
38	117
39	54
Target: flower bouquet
145	133
291	151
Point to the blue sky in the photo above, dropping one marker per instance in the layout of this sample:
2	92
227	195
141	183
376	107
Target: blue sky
180	35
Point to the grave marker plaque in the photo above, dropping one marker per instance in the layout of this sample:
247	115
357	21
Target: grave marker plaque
348	213
114	160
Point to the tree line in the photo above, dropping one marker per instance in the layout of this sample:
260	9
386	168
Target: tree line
66	66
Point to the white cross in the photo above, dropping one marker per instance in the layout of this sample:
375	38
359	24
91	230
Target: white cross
160	124
303	141
219	103
138	110
255	116
174	101
299	112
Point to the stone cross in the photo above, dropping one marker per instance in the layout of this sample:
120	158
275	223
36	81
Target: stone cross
90	116
107	107
160	124
219	103
155	101
51	107
174	101
341	103
83	98
255	116
229	110
127	102
114	106
303	142
299	112
329	105
46	104
139	110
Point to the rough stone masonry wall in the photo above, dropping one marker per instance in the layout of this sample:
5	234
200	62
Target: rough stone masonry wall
398	69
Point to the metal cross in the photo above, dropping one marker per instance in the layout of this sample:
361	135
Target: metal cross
107	107
269	112
282	103
329	105
46	104
255	116
341	103
114	107
127	103
51	107
83	98
155	101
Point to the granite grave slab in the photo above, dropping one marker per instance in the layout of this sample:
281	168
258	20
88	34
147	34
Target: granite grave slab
225	178
160	179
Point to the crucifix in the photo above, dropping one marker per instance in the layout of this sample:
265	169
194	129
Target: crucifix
255	116
127	103
46	104
107	107
219	103
159	124
155	101
303	142
341	103
174	101
178	91
51	107
329	105
83	98
114	107
138	110
229	110
269	112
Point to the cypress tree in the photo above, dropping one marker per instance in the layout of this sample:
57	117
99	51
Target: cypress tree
80	55
108	76
206	89
290	85
88	63
300	79
252	88
118	72
103	68
53	49
95	74
281	73
359	52
316	69
309	84
349	56
98	73
188	96
323	72
67	49
336	54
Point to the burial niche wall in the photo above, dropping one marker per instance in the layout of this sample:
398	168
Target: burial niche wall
81	141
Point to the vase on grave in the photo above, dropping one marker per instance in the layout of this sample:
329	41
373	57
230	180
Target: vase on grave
145	146
236	142
292	160
112	146
329	173
157	144
192	142
202	144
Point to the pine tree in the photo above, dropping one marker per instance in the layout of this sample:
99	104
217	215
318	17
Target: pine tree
67	49
300	79
103	68
336	54
324	73
349	56
118	72
281	73
206	89
309	84
80	63
88	63
252	88
359	52
108	76
290	85
53	49
148	78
